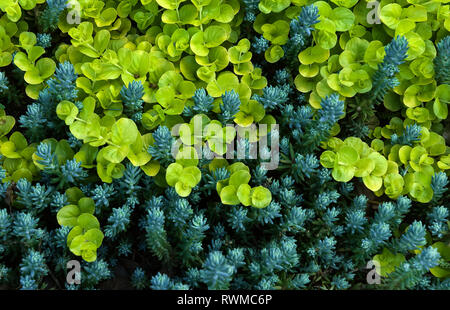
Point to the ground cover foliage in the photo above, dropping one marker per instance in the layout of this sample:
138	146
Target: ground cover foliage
350	96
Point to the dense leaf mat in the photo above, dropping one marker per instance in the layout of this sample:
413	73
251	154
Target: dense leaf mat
224	144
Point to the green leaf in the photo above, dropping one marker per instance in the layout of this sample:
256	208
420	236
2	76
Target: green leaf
35	52
195	172
19	140
151	168
101	40
8	149
387	262
187	156
89	255
405	26
74	194
244	194
372	182
165	95
277	33
106	18
276	6
74	232
188	67
21	60
229	196
67	111
417	13
274	53
7	122
392	102
22	173
88	221
226	81
417	152
364	167
27	40
75	245
90	127
214	36
393	184
226	14
343	173
95	236
116	154
327	159
440	105
347	156
261	197
86	205
326	39
124	132
13	12
421	192
82	34
200	3
5	59
173	173
381	164
68	215
391	14
404	154
345	3
86	155
416	45
198	45
188	179
184	189
239	177
343	18
44	68
115	170
169	4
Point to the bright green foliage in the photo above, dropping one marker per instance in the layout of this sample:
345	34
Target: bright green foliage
235	189
387	262
7	123
13	9
7	30
191	47
380	171
67	111
16	153
444	251
36	70
183	178
240	57
267	6
85	236
354	158
121	138
204	132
